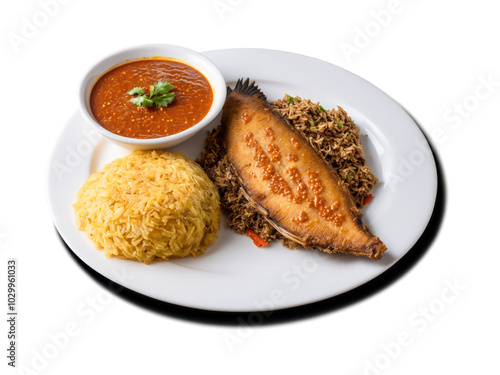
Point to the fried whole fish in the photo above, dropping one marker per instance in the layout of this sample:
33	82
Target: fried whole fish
287	181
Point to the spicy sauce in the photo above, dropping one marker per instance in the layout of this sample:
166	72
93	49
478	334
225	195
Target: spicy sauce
263	159
245	118
292	156
112	109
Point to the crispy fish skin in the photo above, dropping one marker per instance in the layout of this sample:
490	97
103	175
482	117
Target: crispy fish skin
286	189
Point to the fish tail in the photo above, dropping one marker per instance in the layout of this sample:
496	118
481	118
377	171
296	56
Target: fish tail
248	88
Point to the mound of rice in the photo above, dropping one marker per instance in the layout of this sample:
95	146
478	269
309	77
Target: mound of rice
149	205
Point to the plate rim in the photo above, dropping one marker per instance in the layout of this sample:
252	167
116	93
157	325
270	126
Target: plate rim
194	305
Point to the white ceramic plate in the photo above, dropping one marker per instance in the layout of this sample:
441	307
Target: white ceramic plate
235	275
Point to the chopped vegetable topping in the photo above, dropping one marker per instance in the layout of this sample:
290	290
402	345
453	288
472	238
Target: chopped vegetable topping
322	109
259	242
339	125
290	99
367	199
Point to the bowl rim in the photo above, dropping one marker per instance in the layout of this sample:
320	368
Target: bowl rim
217	103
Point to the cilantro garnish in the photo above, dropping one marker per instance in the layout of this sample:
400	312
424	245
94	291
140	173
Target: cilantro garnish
159	95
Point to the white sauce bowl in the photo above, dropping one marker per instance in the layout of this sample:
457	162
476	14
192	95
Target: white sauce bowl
189	57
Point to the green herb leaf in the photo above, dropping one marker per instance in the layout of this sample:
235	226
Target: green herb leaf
138	100
311	123
158	95
322	109
136	90
349	175
146	102
290	99
339	125
163	100
162	87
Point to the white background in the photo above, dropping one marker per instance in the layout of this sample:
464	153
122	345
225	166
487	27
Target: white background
429	56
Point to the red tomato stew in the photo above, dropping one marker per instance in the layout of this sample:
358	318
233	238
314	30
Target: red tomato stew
111	106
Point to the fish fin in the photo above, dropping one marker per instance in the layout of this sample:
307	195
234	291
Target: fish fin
264	212
254	204
248	88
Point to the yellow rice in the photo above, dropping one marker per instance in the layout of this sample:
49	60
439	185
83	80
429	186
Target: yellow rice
149	205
